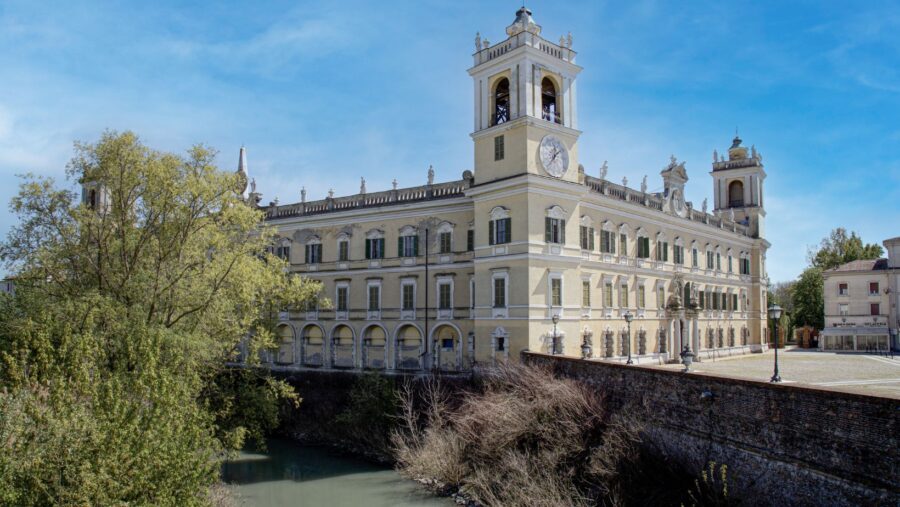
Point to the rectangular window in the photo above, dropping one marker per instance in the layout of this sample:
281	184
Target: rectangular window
444	241
718	261
608	295
695	255
587	238
343	250
640	296
660	298
498	148
843	290
873	288
375	248
470	240
374	298
702	300
556	291
585	294
875	308
408	246
710	260
678	254
408	296
662	251
643	244
729	264
607	242
500	292
499	231
734	302
843	309
283	252
313	254
444	301
623	296
554	230
623	244
342	293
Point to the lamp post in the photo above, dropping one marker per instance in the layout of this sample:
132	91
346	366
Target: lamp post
775	314
628	318
553	343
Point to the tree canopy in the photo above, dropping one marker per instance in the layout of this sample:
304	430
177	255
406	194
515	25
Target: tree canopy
840	248
125	315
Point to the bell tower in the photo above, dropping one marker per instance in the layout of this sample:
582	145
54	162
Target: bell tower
525	104
738	186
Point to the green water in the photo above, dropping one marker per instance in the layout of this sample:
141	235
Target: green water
293	474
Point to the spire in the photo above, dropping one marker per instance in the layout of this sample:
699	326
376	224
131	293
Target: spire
523	23
244	181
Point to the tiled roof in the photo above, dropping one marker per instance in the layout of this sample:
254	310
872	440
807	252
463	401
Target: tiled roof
860	265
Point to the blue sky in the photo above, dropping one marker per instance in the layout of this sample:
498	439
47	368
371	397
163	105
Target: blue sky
323	93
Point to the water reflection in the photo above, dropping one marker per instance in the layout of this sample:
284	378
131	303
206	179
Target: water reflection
293	474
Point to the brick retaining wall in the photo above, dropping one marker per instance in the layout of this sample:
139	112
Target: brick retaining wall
800	445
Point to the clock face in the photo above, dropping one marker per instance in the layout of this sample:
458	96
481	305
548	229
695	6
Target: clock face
554	156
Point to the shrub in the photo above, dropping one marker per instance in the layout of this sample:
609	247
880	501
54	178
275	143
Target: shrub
524	438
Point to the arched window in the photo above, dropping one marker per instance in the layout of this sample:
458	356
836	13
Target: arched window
736	194
549	109
501	102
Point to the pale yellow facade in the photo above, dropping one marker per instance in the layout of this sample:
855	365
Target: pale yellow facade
482	294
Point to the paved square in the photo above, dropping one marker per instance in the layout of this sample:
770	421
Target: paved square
858	373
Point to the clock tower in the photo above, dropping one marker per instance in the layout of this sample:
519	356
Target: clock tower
525	113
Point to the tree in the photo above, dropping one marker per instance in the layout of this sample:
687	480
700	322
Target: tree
839	248
808	299
123	319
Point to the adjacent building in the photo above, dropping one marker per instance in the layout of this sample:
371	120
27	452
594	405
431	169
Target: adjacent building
861	304
527	251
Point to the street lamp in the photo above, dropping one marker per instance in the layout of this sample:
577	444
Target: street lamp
775	314
628	318
555	321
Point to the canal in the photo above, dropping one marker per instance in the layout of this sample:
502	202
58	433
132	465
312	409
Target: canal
293	474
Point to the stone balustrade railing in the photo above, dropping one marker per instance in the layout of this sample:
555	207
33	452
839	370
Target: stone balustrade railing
423	193
655	201
524	39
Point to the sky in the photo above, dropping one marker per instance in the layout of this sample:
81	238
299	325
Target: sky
322	93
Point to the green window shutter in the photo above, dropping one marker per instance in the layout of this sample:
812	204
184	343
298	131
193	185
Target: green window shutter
612	242
547	230
562	232
416	246
491	232
507	230
306	254
381	248
470	240
591	238
666	252
368	249
400	246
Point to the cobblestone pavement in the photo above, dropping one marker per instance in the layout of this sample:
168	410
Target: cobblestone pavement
859	373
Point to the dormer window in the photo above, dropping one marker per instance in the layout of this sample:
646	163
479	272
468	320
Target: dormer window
501	102
549	109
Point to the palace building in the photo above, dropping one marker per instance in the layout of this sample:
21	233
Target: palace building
527	251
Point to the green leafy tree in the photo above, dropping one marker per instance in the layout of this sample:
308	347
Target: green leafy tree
124	317
809	299
840	248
